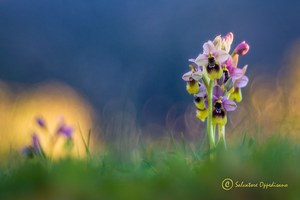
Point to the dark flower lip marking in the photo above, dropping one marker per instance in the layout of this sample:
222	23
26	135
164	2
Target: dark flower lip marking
210	68
218	110
197	99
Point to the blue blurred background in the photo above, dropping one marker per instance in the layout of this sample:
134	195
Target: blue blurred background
135	51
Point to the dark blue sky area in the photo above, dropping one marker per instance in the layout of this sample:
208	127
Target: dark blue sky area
134	49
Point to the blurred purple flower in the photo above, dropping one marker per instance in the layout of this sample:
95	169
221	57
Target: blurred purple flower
34	149
36	142
65	130
40	121
28	151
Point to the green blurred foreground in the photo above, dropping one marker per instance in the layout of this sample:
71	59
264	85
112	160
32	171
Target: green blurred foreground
177	170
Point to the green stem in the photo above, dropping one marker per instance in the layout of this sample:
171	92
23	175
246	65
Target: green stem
210	129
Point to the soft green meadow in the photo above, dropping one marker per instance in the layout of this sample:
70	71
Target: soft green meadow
168	169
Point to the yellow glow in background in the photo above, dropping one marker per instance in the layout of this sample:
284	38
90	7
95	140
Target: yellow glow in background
52	101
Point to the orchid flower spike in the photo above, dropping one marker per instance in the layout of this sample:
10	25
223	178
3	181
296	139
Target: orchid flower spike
215	81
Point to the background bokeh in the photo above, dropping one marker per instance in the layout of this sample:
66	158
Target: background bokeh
126	57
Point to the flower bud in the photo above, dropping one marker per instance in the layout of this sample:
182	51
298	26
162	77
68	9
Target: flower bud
242	48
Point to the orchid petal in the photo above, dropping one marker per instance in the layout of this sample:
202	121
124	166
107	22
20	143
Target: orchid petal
187	76
208	47
202	91
218	42
206	102
199	68
229	37
217	91
226	47
35	142
242	82
220	81
215	98
236	73
197	75
228	85
229	105
192	60
228	62
221	56
244	69
201	60
227	41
